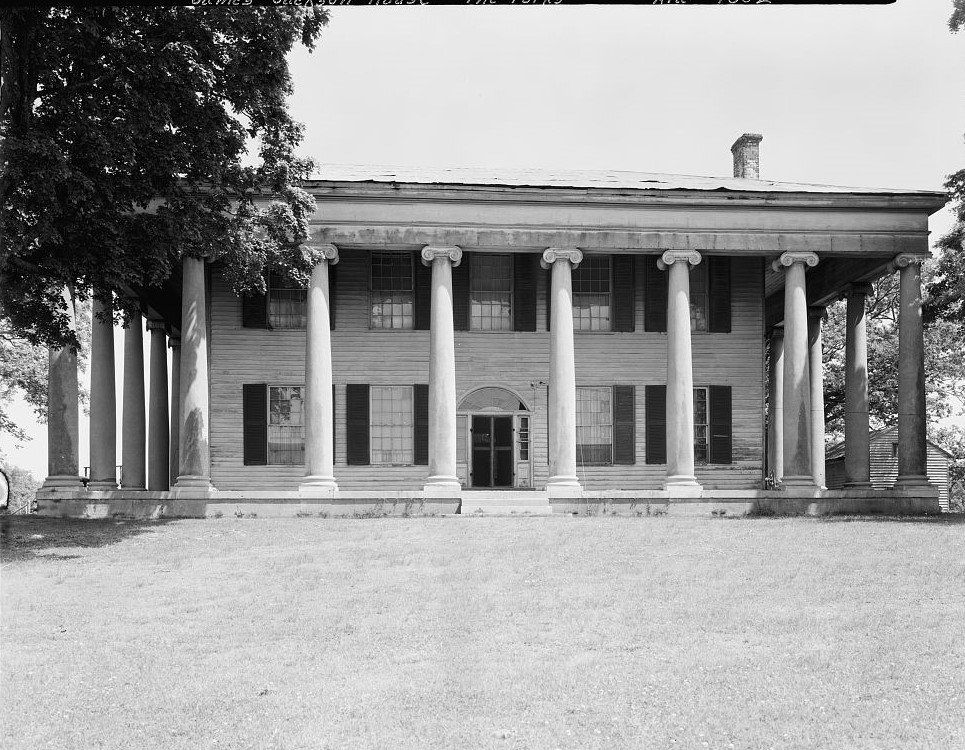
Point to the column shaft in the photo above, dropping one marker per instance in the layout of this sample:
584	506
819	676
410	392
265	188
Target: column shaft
193	439
319	436
442	371
775	406
133	422
63	457
680	373
857	443
562	379
816	378
912	446
174	436
103	406
158	461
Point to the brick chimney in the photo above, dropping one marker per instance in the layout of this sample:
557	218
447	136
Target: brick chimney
747	156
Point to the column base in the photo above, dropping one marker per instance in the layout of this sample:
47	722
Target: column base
858	485
912	480
101	485
193	482
442	486
798	481
63	482
563	486
680	485
318	485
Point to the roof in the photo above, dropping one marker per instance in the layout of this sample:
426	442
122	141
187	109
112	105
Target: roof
565	178
837	450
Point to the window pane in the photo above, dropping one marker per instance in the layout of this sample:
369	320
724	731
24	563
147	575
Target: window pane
286	425
591	295
392	296
701	430
287	303
698	297
391	424
491	293
594	425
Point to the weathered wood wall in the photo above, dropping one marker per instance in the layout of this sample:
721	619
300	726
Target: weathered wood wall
507	359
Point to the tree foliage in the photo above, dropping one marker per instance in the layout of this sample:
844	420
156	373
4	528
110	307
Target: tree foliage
124	136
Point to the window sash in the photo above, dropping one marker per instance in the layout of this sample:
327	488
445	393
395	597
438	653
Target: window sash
286	425
594	425
491	293
592	295
391	291
391	420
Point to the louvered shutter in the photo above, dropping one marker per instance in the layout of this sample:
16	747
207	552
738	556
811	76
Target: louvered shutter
254	311
332	291
461	276
719	288
422	292
656	427
721	424
624	426
254	417
357	424
524	291
655	297
420	424
623	293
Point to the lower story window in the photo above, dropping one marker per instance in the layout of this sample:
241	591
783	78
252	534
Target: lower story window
286	425
594	425
701	426
391	421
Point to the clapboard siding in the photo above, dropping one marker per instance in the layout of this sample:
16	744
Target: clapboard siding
512	360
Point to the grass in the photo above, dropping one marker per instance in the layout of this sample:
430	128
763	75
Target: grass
503	633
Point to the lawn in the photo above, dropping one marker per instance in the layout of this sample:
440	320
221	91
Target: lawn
484	632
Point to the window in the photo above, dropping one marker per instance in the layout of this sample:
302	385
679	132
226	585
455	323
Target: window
391	426
594	425
591	295
491	293
699	296
393	303
287	303
701	426
524	438
286	425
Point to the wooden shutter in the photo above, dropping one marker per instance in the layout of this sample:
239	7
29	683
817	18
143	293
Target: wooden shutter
721	424
422	292
254	311
655	297
524	291
357	424
420	424
656	418
332	287
719	288
254	417
461	276
549	297
624	426
623	293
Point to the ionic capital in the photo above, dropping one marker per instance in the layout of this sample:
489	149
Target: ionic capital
153	325
906	259
857	289
670	257
788	259
315	254
430	253
174	342
553	254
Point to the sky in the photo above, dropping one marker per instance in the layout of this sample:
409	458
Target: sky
862	96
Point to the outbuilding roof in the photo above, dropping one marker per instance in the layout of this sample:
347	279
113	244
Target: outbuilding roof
885	433
566	178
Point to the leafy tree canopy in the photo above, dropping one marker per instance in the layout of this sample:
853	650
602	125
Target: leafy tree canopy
124	132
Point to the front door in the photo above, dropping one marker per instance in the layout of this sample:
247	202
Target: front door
492	451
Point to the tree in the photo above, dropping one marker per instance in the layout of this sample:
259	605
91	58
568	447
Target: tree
23	486
123	137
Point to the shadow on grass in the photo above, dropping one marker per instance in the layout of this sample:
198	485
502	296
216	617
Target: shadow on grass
27	537
943	519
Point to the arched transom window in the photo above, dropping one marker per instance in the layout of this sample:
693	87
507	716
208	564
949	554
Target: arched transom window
492	399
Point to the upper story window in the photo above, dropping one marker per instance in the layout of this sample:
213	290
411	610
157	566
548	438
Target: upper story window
491	293
592	294
286	425
287	303
393	299
699	296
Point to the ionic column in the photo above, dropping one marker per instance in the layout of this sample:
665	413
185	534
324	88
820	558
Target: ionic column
816	378
797	388
62	419
912	455
775	408
158	466
133	426
562	380
319	437
857	442
442	371
680	369
103	405
175	434
195	464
